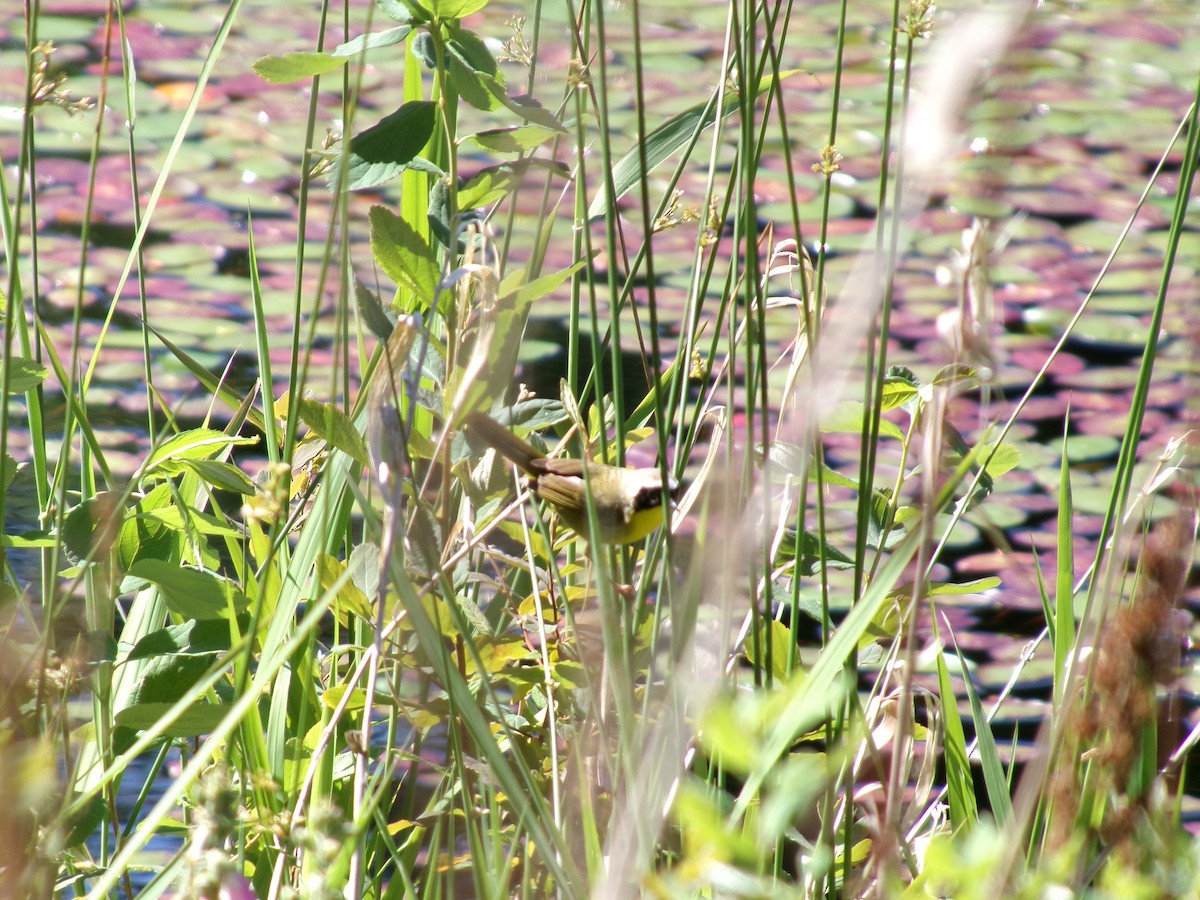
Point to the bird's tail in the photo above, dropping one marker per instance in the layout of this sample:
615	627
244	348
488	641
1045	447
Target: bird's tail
503	440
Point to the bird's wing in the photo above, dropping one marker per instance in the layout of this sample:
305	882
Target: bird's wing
562	491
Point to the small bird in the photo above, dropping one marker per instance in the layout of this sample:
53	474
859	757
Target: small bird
629	502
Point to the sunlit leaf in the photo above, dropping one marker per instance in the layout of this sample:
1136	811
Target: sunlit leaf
288	67
403	254
493	183
381	152
518	139
192	593
386	38
198	443
328	421
847	418
451	9
24	374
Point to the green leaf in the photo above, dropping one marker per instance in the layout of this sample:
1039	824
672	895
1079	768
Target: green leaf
1062	623
994	778
474	87
200	718
536	289
349	600
473	50
530	110
403	254
954	374
213	384
896	392
847	418
474	73
8	471
885	624
518	139
289	67
979	585
495	182
402	10
380	320
491	359
451	9
1003	459
372	41
960	786
143	536
26	540
179	518
199	443
223	476
381	152
773	644
328	422
86	822
92	527
670	137
24	374
192	593
191	638
808	552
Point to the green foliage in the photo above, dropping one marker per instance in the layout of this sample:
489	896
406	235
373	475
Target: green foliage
384	673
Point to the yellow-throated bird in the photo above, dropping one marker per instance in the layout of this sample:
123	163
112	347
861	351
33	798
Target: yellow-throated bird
629	502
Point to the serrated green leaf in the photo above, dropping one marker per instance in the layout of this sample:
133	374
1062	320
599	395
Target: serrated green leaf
289	67
474	72
192	593
518	139
381	152
380	320
24	374
474	87
92	527
403	254
330	423
896	393
473	50
495	182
